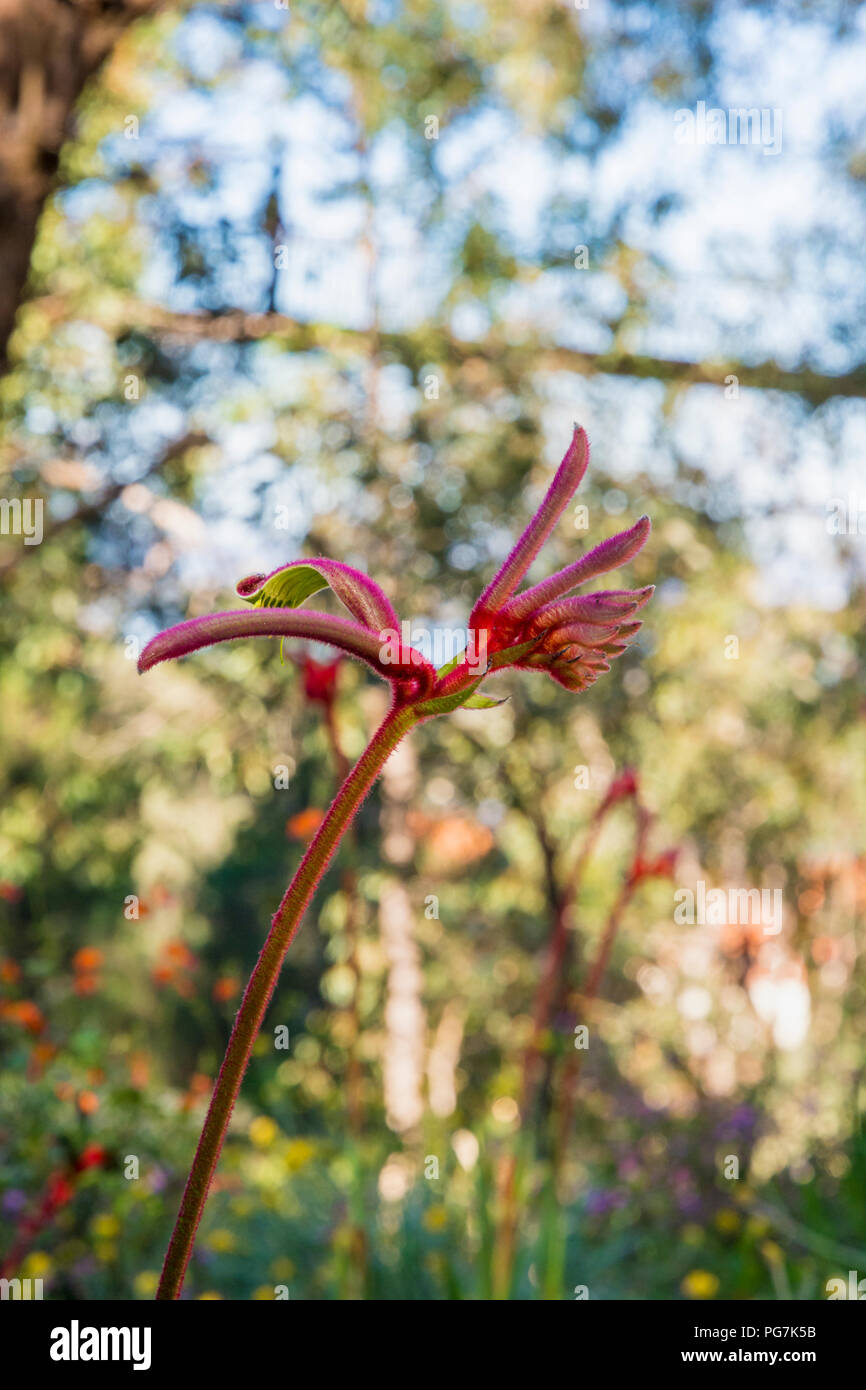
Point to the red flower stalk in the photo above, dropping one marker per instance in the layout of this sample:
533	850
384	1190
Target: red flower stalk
59	1191
572	638
620	789
661	867
320	679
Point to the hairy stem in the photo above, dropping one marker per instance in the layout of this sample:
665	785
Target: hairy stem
261	985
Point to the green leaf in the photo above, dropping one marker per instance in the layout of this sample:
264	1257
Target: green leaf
483	702
451	665
444	704
504	658
289	587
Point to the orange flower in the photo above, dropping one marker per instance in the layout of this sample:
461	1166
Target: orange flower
304	825
88	1102
10	972
25	1012
175	959
180	954
139	1070
87	959
160	896
225	988
451	841
199	1087
39	1058
735	937
86	984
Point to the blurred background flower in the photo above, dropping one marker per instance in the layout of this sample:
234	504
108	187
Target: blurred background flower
337	281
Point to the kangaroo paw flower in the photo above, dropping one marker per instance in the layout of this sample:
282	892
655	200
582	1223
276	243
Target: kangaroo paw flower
403	665
571	636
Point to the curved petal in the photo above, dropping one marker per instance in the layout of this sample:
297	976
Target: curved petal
587	635
609	555
290	585
559	494
607	606
397	663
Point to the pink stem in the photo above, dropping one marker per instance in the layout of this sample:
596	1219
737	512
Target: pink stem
285	924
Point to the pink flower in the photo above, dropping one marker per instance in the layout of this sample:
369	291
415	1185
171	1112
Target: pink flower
276	614
573	637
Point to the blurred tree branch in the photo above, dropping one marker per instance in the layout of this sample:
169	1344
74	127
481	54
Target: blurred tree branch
434	343
48	50
92	511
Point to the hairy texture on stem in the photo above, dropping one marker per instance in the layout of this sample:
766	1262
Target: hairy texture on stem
569	638
338	632
263	980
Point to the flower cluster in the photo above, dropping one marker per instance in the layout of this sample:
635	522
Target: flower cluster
573	637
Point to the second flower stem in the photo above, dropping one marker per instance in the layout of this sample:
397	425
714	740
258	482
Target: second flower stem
261	986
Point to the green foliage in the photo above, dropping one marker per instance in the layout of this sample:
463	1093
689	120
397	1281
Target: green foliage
179	442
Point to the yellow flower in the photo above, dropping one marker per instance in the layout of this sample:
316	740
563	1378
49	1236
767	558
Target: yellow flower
699	1283
727	1221
221	1241
435	1218
282	1269
263	1131
772	1252
145	1283
757	1226
264	1293
298	1154
105	1227
38	1265
209	1297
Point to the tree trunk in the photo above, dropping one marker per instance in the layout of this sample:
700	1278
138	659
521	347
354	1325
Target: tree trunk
48	50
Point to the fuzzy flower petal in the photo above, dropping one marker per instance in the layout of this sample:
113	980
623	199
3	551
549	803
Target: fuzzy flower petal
407	664
609	555
604	607
559	494
291	584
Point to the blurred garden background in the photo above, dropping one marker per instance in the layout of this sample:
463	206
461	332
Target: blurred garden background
337	280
